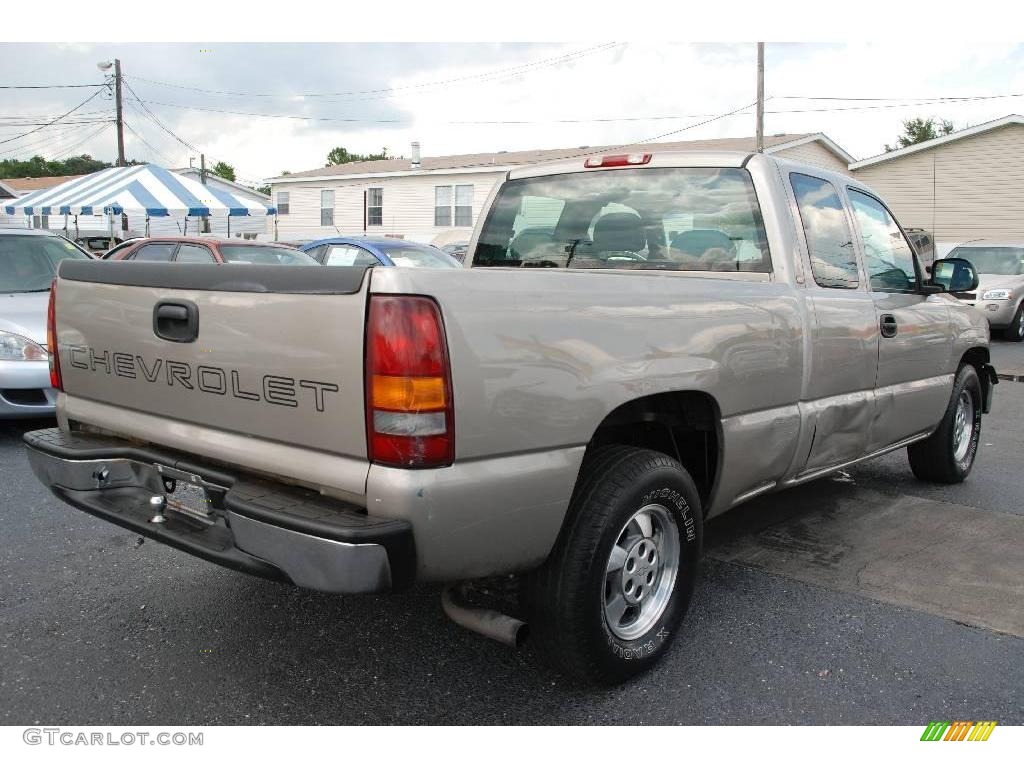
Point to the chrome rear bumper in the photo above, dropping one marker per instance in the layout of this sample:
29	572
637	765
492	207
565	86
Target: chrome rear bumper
267	529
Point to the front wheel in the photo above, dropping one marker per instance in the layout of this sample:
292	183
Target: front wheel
615	588
948	455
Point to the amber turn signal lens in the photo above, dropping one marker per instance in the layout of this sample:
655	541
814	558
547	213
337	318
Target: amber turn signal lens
408	393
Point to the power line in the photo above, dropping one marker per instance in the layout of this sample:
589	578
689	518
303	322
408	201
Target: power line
152	116
153	149
41	87
46	118
90	121
41	142
57	119
75	146
509	71
575	120
156	120
905	98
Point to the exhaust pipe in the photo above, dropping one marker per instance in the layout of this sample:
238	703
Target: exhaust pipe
485	621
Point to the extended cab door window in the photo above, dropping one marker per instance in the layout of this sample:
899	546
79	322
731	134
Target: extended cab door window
887	254
154	252
827	232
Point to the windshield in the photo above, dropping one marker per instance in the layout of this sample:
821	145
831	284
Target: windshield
656	218
28	263
992	261
413	255
264	254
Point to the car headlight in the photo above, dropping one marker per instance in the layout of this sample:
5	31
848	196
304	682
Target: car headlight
15	347
996	293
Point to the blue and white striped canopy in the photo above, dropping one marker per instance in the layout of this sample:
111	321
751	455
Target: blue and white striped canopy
138	189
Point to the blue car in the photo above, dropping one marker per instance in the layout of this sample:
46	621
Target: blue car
377	251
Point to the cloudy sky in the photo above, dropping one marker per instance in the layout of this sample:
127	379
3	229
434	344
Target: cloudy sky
466	97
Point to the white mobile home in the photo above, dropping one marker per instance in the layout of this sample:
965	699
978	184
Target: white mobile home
966	185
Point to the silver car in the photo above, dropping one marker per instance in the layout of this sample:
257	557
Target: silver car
1000	294
28	264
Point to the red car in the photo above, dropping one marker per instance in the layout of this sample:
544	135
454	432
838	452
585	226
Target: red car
207	250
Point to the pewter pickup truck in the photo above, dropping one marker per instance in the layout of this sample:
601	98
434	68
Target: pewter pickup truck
642	342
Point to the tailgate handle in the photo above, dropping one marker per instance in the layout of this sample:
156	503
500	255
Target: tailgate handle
176	320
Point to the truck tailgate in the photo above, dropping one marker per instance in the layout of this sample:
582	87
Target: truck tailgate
278	353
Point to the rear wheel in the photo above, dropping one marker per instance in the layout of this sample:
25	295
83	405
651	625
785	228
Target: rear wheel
615	588
1015	331
948	455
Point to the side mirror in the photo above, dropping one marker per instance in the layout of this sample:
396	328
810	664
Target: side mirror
953	275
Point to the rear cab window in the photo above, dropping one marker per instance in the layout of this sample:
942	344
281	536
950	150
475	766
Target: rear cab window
673	219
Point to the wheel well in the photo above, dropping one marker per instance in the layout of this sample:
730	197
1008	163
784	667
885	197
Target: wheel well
979	356
976	356
683	425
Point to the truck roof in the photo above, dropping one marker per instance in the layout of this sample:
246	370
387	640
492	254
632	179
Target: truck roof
674	159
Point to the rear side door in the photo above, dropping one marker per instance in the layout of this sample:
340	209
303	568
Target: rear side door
915	369
838	397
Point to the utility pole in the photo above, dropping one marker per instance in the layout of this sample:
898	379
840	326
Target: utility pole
760	97
205	227
120	115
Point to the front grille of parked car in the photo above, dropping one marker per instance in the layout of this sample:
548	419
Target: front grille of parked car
24	396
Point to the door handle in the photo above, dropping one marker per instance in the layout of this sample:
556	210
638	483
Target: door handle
176	320
887	324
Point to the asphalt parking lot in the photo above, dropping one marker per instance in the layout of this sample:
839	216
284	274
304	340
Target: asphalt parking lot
867	597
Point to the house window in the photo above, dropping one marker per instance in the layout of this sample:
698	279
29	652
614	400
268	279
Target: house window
282	203
442	206
375	207
464	205
453	204
326	207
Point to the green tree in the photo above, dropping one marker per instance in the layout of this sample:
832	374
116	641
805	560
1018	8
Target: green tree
921	129
340	156
265	189
38	166
223	170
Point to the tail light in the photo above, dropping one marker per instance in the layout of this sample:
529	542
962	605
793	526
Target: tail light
409	420
51	339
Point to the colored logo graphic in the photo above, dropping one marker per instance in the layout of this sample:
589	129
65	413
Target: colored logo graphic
960	730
